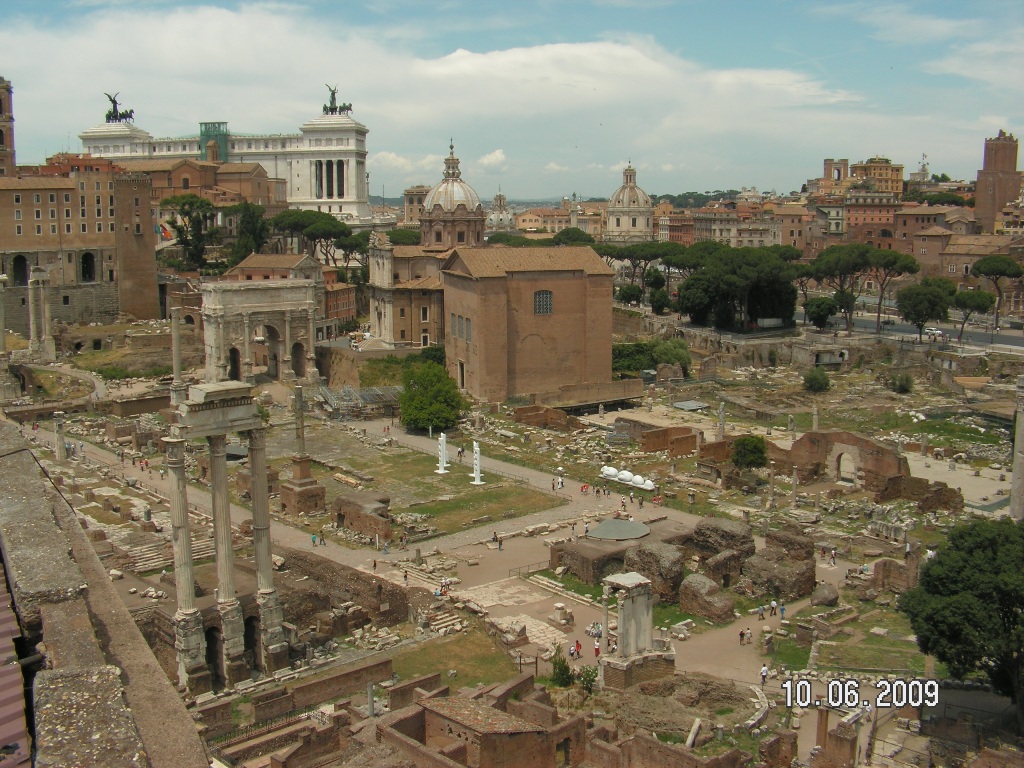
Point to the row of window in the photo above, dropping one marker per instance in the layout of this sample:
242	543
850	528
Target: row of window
462	327
67	213
84	228
424	313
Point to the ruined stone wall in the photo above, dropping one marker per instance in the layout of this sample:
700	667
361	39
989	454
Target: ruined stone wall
87	303
354	515
642	751
513	750
817	454
778	751
639	670
547	418
601	754
929	495
344	682
403	694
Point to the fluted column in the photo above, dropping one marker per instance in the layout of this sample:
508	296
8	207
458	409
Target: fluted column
44	301
184	571
234	668
189	638
221	517
273	651
285	367
311	372
222	353
177	385
60	446
260	509
246	350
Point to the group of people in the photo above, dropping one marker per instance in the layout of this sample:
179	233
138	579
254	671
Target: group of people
774	608
831	556
746	636
594	630
576	649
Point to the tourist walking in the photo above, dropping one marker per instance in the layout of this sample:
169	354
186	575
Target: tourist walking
597	648
742	635
764	674
314	539
775	607
782	611
760	613
750	636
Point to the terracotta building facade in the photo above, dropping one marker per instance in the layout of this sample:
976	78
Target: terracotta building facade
522	302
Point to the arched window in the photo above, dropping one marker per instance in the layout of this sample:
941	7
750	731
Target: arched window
542	302
1	138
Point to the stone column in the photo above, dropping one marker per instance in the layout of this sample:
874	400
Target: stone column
232	630
625	625
189	638
796	481
3	318
285	372
311	373
814	418
246	351
604	607
44	301
721	421
273	647
222	353
33	327
178	390
300	422
771	483
60	448
1017	487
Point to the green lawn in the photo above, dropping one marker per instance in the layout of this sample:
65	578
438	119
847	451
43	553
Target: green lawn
472	654
790	655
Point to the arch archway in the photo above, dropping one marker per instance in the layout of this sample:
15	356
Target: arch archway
88	267
234	364
214	654
273	355
19	270
189	320
846	469
299	359
251	639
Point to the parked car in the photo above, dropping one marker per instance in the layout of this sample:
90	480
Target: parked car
932	331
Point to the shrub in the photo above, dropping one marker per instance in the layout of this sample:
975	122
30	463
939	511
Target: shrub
749	451
588	679
561	672
817	380
901	383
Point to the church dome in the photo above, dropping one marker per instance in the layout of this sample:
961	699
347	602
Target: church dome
629	195
500	218
452	191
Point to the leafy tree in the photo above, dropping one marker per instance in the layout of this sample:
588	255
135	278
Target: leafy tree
654	278
698	296
685	261
671	351
922	304
433	354
403	236
887	266
660	301
429	397
572	236
561	672
803	275
317	231
968	607
841	268
972	302
940	178
192	226
630	293
749	451
253	230
997	268
820	309
817	380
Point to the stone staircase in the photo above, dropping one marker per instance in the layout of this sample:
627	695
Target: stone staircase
443	621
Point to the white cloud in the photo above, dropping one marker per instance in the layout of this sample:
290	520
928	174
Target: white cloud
896	23
495	159
554	167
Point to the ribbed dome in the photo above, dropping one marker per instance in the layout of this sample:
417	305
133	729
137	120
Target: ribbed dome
629	195
452	191
500	218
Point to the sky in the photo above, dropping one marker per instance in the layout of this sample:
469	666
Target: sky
542	98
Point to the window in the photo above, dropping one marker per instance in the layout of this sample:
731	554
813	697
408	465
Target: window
402	336
17	199
401	313
542	303
67	301
53	198
451	324
85	227
967	269
67	197
423	314
17	215
632	222
952	267
99	226
39	214
461	237
437	237
67	228
36	198
185	182
39	229
461	332
17	229
67	213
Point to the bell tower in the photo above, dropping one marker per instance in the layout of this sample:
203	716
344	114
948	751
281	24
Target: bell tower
7	163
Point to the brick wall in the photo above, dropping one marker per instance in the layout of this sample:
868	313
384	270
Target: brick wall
642	751
300	695
92	302
601	754
403	694
354	516
216	717
652	668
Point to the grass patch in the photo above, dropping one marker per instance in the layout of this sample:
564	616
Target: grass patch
472	653
668	615
573	584
790	655
865	655
724	711
500	503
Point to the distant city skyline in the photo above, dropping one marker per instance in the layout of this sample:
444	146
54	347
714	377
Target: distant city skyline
542	99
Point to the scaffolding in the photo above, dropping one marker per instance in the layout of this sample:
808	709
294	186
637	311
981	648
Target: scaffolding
366	403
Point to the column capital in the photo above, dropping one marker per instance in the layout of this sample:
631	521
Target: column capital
218	444
258	437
